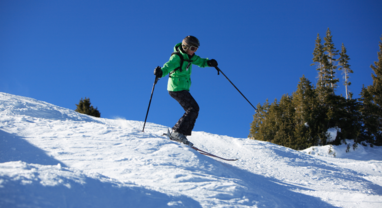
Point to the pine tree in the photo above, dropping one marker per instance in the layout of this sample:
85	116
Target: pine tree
305	103
272	122
343	62
350	121
303	119
284	123
345	116
376	88
372	101
85	107
324	111
318	59
331	53
258	129
323	66
369	118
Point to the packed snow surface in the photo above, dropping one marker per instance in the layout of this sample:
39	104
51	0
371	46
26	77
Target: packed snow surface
55	157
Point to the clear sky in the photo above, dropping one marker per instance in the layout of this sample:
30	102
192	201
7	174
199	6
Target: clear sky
62	51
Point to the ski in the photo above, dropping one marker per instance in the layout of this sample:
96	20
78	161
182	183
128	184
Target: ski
211	155
202	151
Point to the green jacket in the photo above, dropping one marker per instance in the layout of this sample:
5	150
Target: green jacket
181	80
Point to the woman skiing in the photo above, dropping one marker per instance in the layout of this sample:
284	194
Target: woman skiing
179	68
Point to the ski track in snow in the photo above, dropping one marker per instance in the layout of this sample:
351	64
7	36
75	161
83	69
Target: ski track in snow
54	157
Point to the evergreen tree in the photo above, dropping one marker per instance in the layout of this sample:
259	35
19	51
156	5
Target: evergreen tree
303	119
343	62
318	60
305	103
323	66
284	124
372	101
326	107
258	130
350	121
331	52
376	88
369	118
345	116
85	107
272	122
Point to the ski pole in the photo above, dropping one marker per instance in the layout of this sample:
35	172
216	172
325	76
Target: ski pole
217	68
151	97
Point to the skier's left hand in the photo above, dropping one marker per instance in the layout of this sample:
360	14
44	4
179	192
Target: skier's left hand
212	63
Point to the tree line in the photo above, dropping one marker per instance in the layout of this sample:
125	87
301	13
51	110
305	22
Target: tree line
303	119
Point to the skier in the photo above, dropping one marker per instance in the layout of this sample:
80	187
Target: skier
179	69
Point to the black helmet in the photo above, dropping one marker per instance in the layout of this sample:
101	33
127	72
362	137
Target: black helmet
191	40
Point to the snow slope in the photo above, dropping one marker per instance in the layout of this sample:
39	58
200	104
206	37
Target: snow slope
54	157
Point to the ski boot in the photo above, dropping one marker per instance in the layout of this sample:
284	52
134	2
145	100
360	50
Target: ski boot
176	136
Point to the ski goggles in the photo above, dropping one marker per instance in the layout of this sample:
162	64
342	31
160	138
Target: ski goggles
188	47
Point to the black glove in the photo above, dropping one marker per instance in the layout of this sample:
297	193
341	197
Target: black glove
158	72
212	63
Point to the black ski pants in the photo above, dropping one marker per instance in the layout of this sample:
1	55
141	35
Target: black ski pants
187	122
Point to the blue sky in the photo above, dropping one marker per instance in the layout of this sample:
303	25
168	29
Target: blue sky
62	51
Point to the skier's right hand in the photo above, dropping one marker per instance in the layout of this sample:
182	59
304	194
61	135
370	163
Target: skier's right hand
158	72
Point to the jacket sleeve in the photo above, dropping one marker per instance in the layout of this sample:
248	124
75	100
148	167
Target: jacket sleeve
201	62
170	65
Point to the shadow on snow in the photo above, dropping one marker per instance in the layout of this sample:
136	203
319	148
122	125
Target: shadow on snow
14	192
